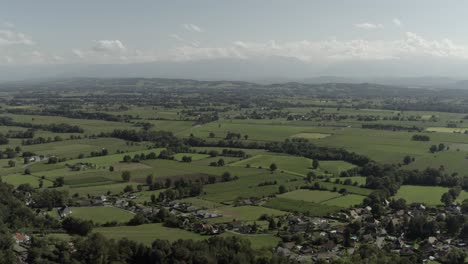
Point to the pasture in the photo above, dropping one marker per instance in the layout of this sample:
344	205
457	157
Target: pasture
102	214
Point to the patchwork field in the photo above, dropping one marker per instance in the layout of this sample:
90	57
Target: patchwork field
429	195
102	214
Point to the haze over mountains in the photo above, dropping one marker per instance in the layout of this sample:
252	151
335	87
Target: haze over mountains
271	70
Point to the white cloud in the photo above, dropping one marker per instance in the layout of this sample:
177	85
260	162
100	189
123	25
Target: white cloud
9	37
369	26
109	46
8	24
410	46
79	53
180	39
397	22
192	28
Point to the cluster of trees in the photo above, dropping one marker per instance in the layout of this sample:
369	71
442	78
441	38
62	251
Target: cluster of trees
3	139
73	114
56	128
40	140
21	134
449	197
392	127
233	153
159	138
219	163
420	137
95	248
8	153
102	152
302	147
182	189
437	148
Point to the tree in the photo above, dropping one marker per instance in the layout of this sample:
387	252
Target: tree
77	226
168	183
127	158
441	147
407	160
455	256
433	149
310	176
187	159
41	183
126	176
27	171
59	181
211	135
11	163
220	163
111	168
149	179
138	219
128	189
273	167
282	189
271	224
315	164
447	199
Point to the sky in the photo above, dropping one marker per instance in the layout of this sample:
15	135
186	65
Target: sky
398	37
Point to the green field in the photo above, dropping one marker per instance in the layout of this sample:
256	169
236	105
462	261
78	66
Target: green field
311	208
429	195
102	214
311	135
310	195
146	234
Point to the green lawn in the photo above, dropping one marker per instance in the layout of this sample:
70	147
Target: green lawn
429	195
290	205
310	195
146	234
102	214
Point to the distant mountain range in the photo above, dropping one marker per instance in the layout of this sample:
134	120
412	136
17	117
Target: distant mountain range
266	71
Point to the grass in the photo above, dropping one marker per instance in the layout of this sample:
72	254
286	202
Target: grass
429	195
311	135
146	234
290	205
247	186
243	213
195	156
310	195
345	201
324	198
18	179
102	214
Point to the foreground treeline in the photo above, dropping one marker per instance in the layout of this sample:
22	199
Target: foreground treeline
99	250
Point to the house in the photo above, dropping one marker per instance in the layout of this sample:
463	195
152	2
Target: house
64	211
121	203
21	238
236	224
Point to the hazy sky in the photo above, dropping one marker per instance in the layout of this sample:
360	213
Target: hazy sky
312	32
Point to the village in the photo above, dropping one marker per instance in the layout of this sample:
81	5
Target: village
303	238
